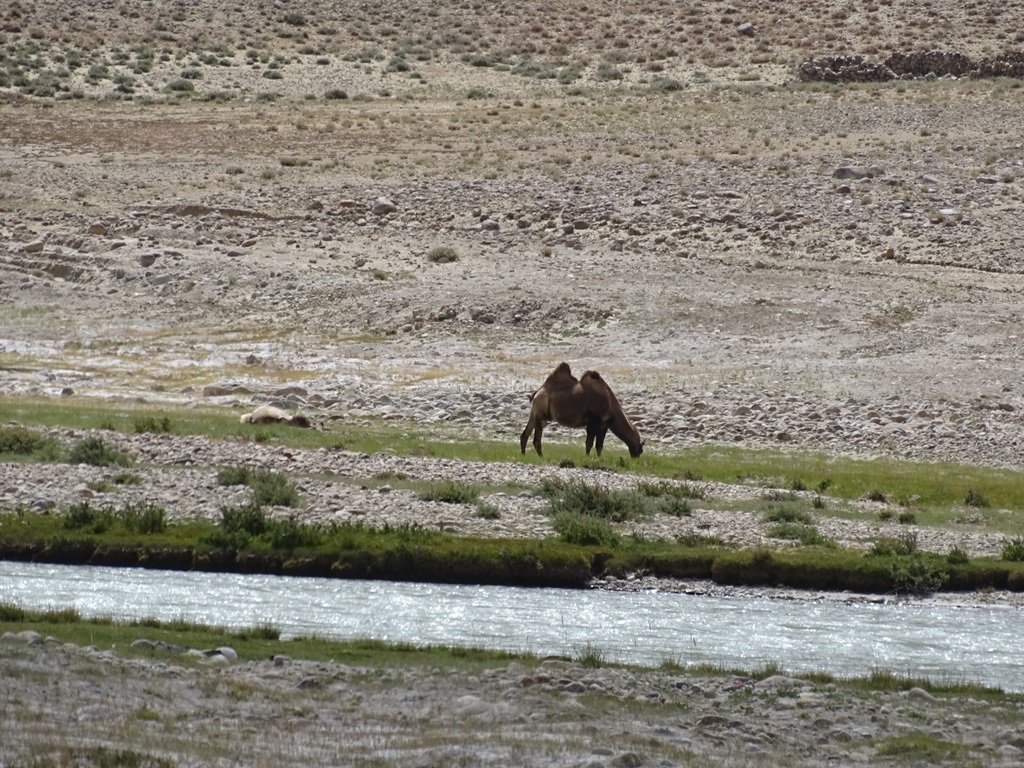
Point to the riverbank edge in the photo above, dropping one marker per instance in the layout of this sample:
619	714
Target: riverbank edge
546	563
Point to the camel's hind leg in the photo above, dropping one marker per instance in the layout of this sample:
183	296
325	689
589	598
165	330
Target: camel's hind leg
536	426
530	424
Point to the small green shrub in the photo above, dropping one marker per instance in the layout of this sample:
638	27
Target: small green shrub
19	441
807	535
595	501
273	489
584	530
693	539
666	84
668	489
95	452
83	517
673	506
787	513
181	86
451	492
875	495
957	556
248	518
234	476
1013	549
916	576
291	534
975	499
607	71
442	254
143	518
906	518
487	511
161	426
336	94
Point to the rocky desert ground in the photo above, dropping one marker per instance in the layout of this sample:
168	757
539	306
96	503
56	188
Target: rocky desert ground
416	211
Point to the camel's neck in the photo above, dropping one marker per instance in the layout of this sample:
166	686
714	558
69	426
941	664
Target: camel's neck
625	431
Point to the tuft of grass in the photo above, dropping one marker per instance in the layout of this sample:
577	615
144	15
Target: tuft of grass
787	513
975	499
957	556
142	519
451	492
590	657
94	451
1013	549
807	535
248	519
487	511
158	426
442	254
580	498
904	544
19	442
584	530
234	476
273	489
920	748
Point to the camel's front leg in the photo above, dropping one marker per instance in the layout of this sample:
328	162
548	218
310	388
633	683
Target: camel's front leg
595	431
536	436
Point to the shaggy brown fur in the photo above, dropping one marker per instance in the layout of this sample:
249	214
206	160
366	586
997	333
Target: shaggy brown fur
586	402
268	414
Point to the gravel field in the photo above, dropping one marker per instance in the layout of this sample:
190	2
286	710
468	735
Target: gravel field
415	212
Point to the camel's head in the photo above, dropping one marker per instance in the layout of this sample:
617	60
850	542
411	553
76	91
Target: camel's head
246	418
636	450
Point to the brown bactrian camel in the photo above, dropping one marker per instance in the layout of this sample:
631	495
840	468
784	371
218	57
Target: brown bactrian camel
587	402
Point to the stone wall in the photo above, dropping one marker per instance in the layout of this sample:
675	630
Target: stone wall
909	66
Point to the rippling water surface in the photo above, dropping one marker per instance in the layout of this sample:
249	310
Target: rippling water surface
944	643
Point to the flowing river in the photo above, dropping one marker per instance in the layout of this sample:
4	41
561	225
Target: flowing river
941	642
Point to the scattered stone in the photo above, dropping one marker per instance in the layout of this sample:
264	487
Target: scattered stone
383	206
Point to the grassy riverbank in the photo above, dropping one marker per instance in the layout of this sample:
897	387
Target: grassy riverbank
798	488
265	642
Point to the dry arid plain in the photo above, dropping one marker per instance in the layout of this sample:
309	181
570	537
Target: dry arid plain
416	210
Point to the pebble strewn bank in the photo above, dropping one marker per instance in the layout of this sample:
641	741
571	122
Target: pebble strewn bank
555	713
